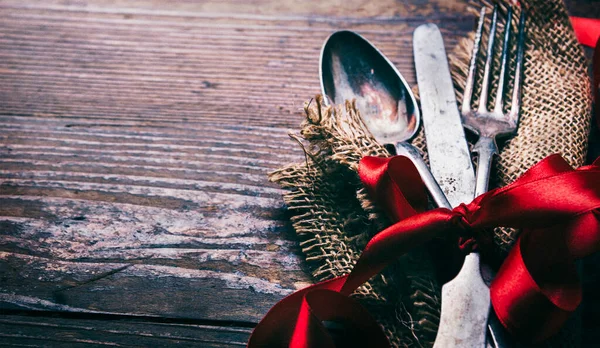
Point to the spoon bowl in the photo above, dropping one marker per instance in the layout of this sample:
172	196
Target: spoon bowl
352	68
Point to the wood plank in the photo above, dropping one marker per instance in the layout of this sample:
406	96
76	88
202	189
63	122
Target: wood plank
135	289
35	329
255	9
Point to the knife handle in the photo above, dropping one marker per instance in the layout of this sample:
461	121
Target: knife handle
465	308
408	150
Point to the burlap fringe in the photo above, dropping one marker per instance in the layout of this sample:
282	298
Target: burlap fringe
335	219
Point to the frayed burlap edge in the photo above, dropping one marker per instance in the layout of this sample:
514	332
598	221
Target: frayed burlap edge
335	220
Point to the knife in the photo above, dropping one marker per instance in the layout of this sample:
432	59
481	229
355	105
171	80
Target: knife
466	298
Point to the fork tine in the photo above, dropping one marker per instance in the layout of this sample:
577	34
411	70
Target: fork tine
485	86
513	115
468	92
503	64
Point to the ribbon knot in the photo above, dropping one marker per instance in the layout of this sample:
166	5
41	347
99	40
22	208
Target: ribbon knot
468	237
535	289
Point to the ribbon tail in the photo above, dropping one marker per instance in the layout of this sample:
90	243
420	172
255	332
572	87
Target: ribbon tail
277	327
296	320
350	323
537	288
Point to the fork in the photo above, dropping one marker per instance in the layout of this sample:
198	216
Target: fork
490	124
487	125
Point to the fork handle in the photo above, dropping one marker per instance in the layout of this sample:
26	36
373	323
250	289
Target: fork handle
485	148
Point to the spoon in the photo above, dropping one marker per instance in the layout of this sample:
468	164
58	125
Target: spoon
352	68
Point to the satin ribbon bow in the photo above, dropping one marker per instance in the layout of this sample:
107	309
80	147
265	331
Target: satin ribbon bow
535	289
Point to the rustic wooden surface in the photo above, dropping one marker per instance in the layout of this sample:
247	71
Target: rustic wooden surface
135	139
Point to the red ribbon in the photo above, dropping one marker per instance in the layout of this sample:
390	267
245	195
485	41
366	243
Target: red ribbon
587	30
535	289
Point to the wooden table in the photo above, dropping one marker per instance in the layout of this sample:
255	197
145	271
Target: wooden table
135	141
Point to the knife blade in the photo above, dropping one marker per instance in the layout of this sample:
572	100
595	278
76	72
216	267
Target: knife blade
447	147
466	298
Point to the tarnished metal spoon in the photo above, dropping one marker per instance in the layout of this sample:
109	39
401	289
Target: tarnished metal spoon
352	68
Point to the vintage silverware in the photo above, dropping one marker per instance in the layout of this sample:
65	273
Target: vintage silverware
465	299
490	124
352	68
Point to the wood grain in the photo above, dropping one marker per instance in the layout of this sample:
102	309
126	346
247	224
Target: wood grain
135	140
74	331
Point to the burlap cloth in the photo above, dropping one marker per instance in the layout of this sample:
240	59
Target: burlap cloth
334	219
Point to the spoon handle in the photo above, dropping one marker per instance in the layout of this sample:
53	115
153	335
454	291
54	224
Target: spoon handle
406	149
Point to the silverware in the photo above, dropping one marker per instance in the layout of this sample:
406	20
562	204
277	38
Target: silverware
447	146
490	124
352	68
465	299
